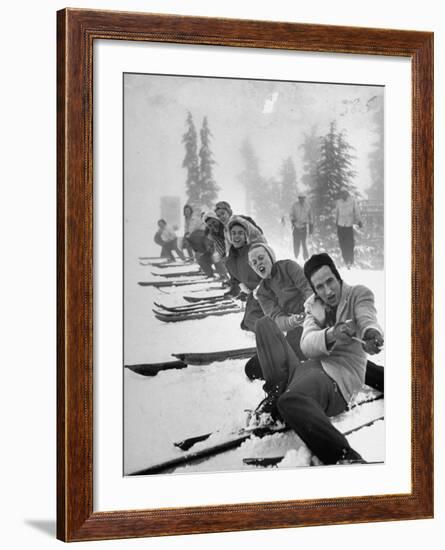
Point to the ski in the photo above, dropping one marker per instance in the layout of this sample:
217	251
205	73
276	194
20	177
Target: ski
167	265
274	460
214	356
195	299
219	306
197	456
175	318
160	284
153	368
185	359
196	273
195	307
186	444
169	466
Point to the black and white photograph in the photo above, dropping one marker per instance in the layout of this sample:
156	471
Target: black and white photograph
253	274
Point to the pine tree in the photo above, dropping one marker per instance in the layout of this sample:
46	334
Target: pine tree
250	177
288	191
208	188
375	191
190	162
334	173
311	156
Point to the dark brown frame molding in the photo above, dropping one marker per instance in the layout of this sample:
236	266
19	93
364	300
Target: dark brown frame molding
77	30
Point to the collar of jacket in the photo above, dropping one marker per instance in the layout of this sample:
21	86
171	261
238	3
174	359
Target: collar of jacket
318	307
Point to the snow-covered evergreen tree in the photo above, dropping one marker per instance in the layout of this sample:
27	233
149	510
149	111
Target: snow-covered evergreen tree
288	191
250	177
375	191
208	188
334	173
190	162
311	156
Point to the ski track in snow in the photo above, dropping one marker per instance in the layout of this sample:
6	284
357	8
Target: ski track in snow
181	403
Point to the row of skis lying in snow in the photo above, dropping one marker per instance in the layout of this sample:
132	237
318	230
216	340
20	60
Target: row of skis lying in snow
236	438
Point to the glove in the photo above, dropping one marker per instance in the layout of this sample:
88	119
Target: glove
373	341
296	319
244	288
311	228
343	333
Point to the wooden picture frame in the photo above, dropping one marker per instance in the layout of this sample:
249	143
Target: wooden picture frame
77	31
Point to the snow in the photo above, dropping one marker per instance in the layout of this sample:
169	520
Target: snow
181	403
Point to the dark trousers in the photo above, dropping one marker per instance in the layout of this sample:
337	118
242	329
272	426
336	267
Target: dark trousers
171	246
374	376
307	395
300	235
205	263
346	242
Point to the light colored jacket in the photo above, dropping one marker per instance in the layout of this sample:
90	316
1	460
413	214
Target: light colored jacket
346	364
168	234
301	215
347	212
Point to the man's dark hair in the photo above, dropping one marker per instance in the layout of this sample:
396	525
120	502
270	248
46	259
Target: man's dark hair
162	221
316	262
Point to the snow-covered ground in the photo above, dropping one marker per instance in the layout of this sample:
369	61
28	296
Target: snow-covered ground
177	404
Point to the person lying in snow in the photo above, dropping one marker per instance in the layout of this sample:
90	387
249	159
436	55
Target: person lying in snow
340	328
242	277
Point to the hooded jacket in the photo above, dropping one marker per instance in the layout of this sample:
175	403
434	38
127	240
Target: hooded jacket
346	364
284	293
218	239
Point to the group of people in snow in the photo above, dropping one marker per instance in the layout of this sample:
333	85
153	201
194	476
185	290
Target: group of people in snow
313	331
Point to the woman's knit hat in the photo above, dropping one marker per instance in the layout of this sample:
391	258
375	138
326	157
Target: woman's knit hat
223	205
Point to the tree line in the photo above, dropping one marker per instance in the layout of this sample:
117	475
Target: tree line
201	187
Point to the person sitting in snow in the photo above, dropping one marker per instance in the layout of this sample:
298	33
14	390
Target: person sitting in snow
242	277
340	328
282	291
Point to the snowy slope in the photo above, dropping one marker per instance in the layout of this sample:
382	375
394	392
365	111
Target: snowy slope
182	403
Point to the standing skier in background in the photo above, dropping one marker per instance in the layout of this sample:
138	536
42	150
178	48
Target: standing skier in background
347	214
302	222
166	238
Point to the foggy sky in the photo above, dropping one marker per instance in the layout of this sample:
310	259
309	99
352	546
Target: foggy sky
273	115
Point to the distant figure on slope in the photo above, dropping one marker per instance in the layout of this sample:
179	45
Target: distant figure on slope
242	277
204	249
302	222
281	293
191	223
306	393
224	212
166	238
215	233
347	214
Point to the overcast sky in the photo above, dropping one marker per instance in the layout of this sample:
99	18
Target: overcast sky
274	115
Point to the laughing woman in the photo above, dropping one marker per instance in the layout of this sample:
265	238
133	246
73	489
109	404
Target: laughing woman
281	293
242	277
